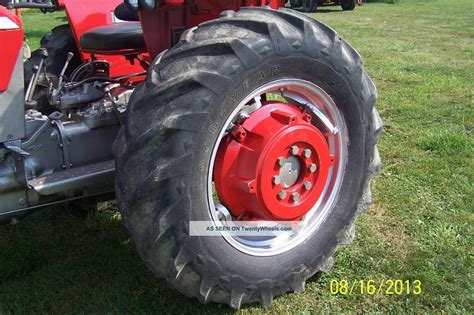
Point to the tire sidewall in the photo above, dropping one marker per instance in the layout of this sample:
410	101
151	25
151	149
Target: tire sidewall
348	4
309	6
295	3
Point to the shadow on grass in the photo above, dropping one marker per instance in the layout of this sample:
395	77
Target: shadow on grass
56	262
328	11
319	10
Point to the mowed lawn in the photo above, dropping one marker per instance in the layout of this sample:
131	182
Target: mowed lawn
420	226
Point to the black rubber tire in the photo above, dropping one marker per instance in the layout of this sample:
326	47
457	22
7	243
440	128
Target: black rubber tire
58	43
348	5
296	3
310	6
172	123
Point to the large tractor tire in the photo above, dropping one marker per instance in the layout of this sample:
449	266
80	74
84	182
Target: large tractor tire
348	5
257	91
58	43
295	3
310	6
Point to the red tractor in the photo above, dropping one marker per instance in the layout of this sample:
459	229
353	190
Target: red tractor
202	118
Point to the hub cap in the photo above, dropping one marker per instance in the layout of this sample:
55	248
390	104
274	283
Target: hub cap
278	160
277	170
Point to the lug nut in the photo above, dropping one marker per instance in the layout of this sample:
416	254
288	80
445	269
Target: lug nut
276	180
307	153
294	150
282	195
307	185
295	196
281	161
313	168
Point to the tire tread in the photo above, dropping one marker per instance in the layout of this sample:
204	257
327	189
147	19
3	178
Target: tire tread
278	32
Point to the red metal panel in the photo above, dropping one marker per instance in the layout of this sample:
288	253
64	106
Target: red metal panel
13	36
163	24
85	15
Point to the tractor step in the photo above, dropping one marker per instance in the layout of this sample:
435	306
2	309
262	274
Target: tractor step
74	178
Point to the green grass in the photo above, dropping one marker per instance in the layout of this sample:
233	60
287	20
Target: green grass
420	226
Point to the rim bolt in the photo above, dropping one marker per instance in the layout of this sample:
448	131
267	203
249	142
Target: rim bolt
313	168
295	196
281	161
307	153
276	180
307	185
294	150
282	195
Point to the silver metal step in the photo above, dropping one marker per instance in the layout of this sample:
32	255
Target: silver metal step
74	178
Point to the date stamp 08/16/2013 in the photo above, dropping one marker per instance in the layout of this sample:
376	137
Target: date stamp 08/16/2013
375	287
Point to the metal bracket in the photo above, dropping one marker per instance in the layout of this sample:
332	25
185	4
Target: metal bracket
15	147
63	138
19	155
313	109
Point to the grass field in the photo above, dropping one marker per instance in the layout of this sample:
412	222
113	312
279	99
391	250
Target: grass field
420	226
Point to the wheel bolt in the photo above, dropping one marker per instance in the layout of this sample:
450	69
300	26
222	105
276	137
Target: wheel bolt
313	168
282	195
295	196
307	185
276	180
294	150
281	161
307	153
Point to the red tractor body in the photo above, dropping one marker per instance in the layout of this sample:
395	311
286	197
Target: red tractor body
85	15
11	32
162	28
164	25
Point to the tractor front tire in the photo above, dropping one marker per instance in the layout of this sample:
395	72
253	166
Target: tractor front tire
295	3
348	5
172	126
58	43
310	6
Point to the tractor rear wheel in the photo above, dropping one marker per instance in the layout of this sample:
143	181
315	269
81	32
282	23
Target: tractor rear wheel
249	117
310	6
295	3
348	5
58	43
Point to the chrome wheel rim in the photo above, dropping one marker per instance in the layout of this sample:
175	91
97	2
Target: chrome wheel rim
330	121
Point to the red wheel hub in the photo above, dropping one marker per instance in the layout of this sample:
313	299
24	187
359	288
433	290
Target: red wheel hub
272	166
